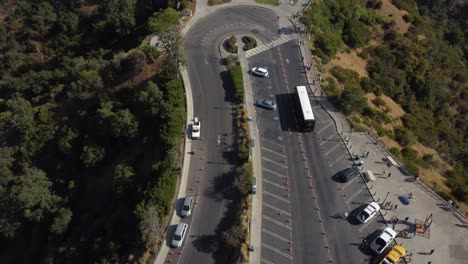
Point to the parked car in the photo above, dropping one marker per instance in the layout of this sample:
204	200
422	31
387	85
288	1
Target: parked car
266	103
395	255
369	212
187	207
382	240
179	235
262	72
196	126
348	173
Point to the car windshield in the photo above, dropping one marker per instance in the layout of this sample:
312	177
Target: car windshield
380	242
364	216
195	129
186	207
177	237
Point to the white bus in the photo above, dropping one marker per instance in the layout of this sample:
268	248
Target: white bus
304	110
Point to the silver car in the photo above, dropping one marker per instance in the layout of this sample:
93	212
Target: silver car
259	72
266	103
187	207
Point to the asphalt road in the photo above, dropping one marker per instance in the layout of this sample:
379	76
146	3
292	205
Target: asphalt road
302	200
211	172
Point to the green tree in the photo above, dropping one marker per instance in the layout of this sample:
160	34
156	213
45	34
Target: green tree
124	124
151	98
355	33
61	221
65	140
43	18
116	17
171	43
150	228
352	99
33	195
160	22
6	157
92	154
123	177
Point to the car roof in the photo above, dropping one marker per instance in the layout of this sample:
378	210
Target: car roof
388	234
371	208
179	228
261	69
188	199
396	252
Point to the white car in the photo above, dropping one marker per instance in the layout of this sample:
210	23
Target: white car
187	206
262	72
266	103
368	213
196	125
179	235
383	239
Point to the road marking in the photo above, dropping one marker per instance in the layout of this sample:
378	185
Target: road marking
287	61
274	152
274	143
275	235
326	140
332	149
338	159
367	224
206	62
266	261
276	196
348	183
274	173
325	127
274	184
354	195
277	251
219	140
276	209
275	162
277	222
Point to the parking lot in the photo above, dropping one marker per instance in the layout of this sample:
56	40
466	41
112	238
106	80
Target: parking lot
302	200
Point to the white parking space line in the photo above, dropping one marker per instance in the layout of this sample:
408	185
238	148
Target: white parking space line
266	261
275	162
275	235
277	251
274	152
338	159
274	173
367	224
333	149
276	209
274	184
323	142
276	196
325	127
276	222
349	183
274	143
354	195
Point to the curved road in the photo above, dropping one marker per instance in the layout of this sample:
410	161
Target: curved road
213	99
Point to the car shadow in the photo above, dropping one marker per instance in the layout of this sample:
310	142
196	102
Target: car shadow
178	206
169	234
286	112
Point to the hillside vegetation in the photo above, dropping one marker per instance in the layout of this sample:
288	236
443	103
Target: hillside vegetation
424	71
90	126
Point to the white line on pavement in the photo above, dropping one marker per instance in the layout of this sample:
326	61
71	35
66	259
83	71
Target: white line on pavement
274	152
274	143
325	127
349	183
277	251
274	172
333	149
338	159
367	224
275	235
276	209
266	261
274	184
354	195
276	196
323	142
277	222
275	162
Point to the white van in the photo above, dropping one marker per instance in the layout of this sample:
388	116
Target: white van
179	235
187	207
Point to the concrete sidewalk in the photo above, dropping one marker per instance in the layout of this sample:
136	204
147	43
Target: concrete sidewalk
448	232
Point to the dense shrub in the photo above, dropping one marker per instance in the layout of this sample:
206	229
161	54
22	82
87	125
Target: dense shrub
238	80
232	44
249	42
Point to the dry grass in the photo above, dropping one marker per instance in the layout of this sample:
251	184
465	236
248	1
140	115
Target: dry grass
349	61
388	9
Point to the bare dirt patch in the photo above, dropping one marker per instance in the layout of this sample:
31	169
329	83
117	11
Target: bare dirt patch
388	9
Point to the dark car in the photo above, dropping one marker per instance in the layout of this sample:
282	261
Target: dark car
348	173
266	103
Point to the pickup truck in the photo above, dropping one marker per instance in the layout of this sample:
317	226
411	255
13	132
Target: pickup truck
383	239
